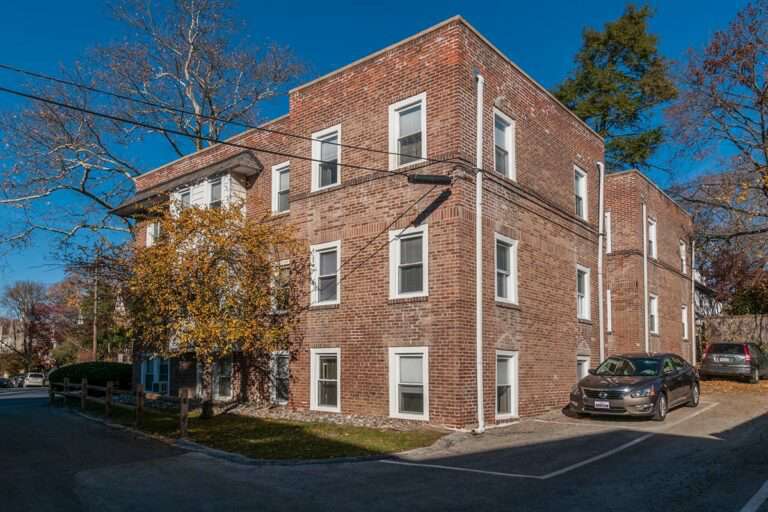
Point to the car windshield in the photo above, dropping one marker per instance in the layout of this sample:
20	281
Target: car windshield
727	348
629	367
36	375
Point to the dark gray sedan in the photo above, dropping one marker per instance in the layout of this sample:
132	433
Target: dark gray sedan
637	385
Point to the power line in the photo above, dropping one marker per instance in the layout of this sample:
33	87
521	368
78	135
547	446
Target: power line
177	110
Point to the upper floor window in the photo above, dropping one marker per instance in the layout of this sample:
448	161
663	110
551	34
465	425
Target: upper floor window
506	269
281	287
407	131
185	198
326	158
653	314
504	145
325	273
683	257
580	191
608	311
214	198
652	247
153	233
608	238
408	250
280	187
582	293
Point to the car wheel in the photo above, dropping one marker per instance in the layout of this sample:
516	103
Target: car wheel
695	395
662	406
755	378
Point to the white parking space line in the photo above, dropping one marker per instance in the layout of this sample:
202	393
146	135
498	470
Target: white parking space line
757	500
582	463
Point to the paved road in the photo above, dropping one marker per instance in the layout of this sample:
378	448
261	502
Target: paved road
711	458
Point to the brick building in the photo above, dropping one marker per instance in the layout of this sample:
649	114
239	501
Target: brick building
398	336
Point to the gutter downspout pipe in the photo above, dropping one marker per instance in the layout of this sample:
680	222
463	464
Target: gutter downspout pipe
645	278
692	329
479	257
600	246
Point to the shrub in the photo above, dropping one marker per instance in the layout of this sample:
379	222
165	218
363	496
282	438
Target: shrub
98	373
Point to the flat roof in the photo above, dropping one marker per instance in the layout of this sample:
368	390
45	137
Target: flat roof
652	183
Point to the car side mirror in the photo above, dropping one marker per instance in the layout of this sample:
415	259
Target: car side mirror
592	371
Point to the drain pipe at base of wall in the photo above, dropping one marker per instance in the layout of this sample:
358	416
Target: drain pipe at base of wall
600	242
645	278
479	257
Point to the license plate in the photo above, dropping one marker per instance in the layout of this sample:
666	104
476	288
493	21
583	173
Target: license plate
721	359
602	404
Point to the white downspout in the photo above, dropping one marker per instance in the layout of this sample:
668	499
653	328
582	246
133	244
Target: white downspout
645	278
692	273
479	258
600	242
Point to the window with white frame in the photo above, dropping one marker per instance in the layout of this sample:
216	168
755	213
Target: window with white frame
214	194
408	262
683	257
281	287
652	248
407	131
582	367
506	269
684	319
504	145
281	184
153	233
580	192
325	372
506	384
608	311
326	158
280	377
582	293
409	383
325	273
185	198
608	238
222	378
155	375
653	314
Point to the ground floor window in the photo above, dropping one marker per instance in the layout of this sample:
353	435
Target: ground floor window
280	377
222	378
506	384
582	367
325	374
409	383
155	375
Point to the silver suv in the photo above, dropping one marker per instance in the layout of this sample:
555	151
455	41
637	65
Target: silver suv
744	360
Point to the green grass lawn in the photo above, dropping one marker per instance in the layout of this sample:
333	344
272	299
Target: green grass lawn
272	439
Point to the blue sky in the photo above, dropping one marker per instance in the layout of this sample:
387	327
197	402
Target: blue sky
541	37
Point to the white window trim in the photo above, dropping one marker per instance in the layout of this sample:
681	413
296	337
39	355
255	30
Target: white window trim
151	239
608	311
276	171
315	354
209	190
394	379
316	143
653	307
608	239
587	293
273	370
394	260
684	314
585	193
513	360
587	361
512	284
315	250
684	257
394	129
652	237
510	135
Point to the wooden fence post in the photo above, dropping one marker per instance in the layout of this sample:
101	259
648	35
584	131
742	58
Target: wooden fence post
83	393
139	404
108	400
184	412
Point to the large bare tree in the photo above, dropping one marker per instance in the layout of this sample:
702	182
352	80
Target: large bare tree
24	301
68	169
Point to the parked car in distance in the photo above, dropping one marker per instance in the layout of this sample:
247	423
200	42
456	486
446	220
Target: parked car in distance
33	379
17	381
5	383
641	384
743	360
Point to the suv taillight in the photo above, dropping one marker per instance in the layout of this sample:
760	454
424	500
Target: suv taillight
747	355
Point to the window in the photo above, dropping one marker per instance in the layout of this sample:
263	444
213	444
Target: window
652	238
608	311
326	158
582	293
155	373
325	273
409	383
504	145
407	131
608	240
582	367
580	190
506	269
280	377
683	257
408	256
222	378
214	200
653	314
153	233
281	187
325	371
185	198
281	287
506	384
684	318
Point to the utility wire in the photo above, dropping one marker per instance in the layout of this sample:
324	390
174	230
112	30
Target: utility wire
177	110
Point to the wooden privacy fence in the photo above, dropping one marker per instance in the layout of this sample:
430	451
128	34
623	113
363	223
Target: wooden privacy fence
81	391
